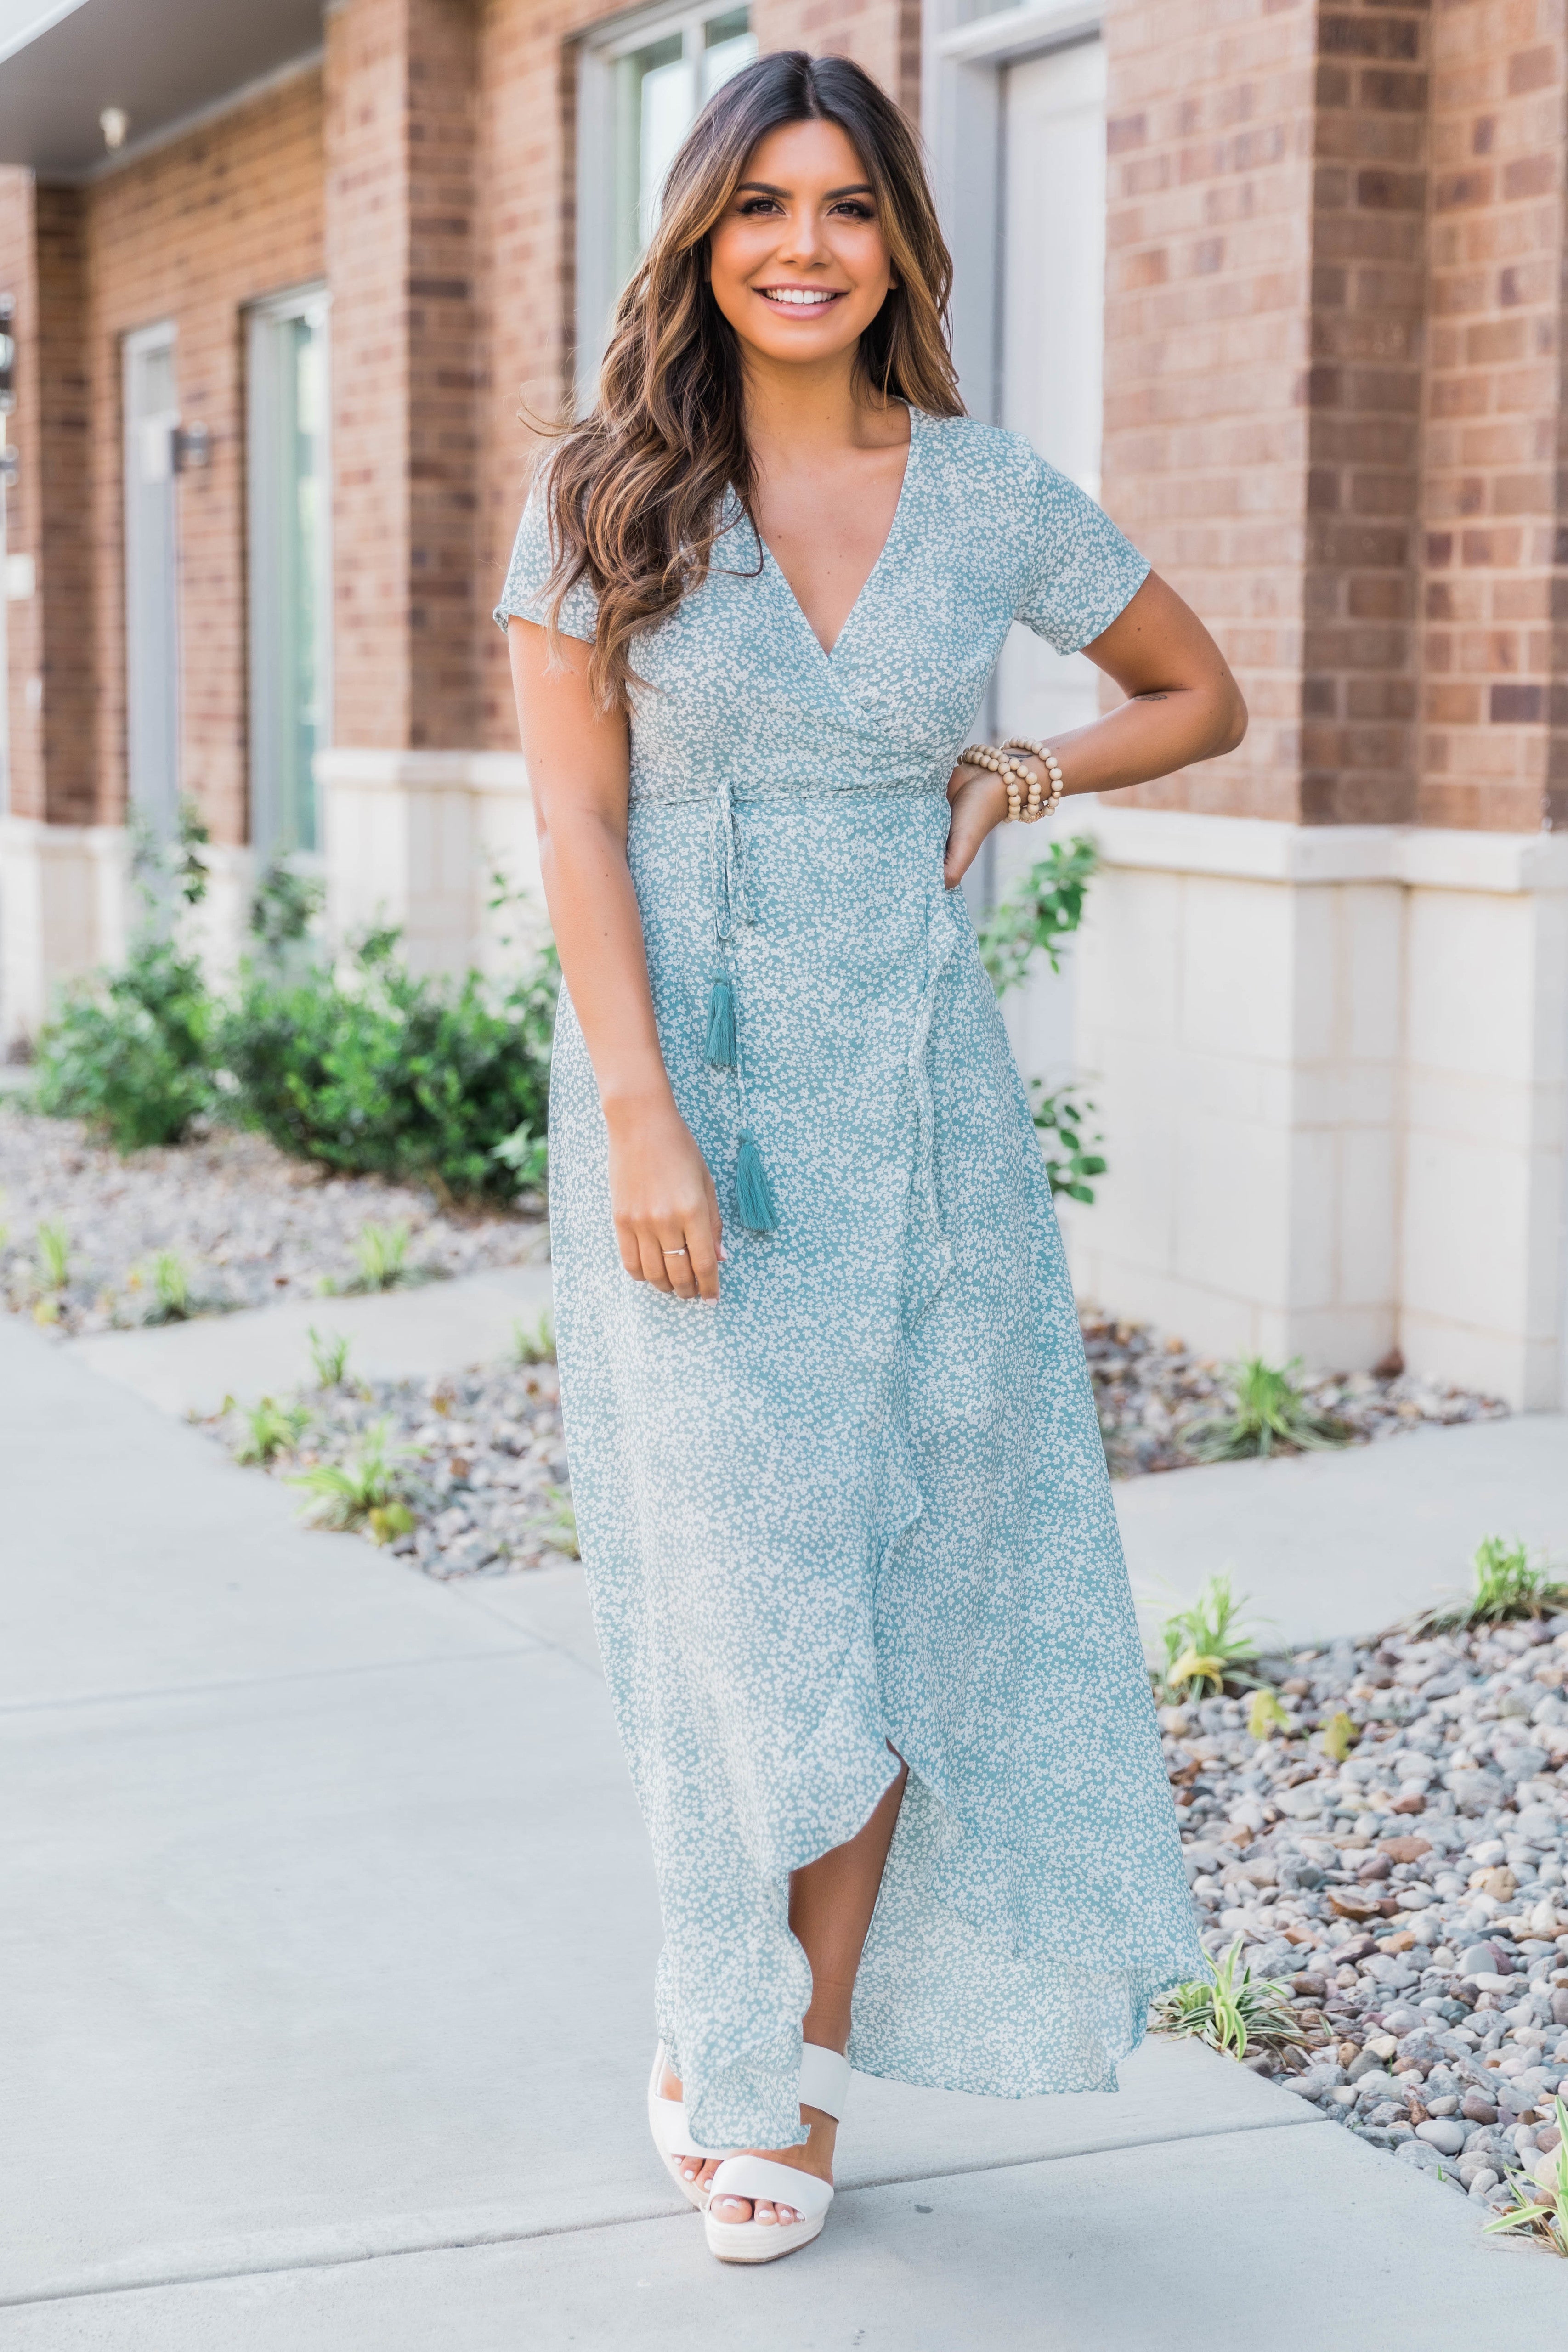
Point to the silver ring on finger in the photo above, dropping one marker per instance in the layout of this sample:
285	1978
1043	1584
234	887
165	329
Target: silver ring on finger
669	1252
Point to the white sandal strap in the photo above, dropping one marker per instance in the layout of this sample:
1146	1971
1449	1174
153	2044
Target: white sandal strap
778	2184
823	2079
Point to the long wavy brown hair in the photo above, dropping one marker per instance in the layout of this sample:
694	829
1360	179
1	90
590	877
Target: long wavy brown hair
635	488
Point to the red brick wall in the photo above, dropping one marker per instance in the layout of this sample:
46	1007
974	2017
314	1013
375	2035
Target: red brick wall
1494	730
402	196
1347	456
1208	348
194	232
1368	296
883	36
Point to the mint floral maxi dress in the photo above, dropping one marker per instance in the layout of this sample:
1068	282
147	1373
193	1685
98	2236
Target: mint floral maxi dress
862	1504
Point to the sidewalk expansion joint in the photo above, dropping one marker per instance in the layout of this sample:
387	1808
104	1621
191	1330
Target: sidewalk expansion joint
466	2242
528	1647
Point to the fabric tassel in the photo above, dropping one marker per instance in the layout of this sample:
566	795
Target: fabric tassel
721	1023
759	1212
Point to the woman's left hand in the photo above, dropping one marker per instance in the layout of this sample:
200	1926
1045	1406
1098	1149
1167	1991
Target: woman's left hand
977	800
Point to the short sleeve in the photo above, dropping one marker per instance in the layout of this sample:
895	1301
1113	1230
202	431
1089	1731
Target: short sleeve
1081	572
530	569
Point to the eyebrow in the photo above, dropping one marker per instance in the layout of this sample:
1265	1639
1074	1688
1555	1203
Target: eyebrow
766	188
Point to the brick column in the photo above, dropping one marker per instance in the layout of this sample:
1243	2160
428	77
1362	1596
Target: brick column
400	147
72	792
1495	738
1363	396
1208	347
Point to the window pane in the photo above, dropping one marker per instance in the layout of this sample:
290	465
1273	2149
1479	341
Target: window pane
289	504
728	44
649	83
667	115
660	89
305	522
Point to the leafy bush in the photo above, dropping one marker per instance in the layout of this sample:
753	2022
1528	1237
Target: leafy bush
1060	1114
388	1074
283	907
132	1052
1038	911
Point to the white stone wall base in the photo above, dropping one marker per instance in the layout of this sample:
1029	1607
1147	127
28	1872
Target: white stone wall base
414	838
1332	1066
64	902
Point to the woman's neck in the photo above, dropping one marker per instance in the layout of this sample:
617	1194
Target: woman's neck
794	413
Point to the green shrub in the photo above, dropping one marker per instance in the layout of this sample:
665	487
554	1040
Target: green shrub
130	1052
1059	1113
388	1074
1037	912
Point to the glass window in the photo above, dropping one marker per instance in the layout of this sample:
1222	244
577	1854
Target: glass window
641	92
290	502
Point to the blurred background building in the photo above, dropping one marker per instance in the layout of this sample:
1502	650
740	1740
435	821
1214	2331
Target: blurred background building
1282	281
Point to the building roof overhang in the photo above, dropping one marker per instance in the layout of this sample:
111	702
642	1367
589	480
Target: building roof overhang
64	62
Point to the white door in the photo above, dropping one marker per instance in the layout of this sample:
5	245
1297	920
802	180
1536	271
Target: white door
151	631
1052	329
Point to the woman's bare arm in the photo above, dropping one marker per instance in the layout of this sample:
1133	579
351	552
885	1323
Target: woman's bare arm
1183	705
661	1193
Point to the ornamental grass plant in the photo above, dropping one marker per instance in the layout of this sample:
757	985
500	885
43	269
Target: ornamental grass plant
1231	2013
1266	1412
1508	1584
1208	1645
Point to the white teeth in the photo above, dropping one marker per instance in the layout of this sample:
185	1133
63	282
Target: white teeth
802	297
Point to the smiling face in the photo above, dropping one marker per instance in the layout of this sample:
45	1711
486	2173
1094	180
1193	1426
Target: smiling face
798	262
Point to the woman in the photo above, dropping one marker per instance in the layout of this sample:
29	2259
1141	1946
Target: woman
837	1471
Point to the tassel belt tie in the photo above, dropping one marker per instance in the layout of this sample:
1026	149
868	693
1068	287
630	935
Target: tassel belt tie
733	913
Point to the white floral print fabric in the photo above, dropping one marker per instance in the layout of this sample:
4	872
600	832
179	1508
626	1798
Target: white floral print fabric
860	1506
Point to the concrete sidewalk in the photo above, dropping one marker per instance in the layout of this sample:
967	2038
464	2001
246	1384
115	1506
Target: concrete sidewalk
393	1335
330	1928
1327	1544
1324	1544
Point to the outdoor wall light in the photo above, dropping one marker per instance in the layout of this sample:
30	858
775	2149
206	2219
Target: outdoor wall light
193	448
114	122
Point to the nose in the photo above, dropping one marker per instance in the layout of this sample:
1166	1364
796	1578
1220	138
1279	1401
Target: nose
802	244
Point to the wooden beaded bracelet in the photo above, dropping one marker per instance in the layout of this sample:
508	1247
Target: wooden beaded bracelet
1052	766
1024	802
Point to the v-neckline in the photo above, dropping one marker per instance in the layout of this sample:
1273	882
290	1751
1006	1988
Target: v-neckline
828	653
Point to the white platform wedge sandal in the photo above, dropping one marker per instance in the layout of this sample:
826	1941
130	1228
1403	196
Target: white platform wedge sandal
673	2135
824	2083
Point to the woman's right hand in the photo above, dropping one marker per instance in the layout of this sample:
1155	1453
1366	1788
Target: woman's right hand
666	1210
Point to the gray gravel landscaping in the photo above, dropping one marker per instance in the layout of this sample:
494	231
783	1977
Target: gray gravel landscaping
1413	1896
477	1459
1151	1388
247	1226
